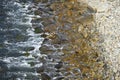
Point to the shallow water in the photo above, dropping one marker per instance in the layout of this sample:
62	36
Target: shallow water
19	45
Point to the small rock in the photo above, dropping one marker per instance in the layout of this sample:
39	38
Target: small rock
28	48
26	54
44	35
46	49
36	20
46	41
38	12
45	76
40	69
59	65
62	37
38	30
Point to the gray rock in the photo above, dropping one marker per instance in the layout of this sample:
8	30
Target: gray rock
47	49
59	65
40	69
28	48
45	76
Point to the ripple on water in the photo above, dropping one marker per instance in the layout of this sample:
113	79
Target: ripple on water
19	49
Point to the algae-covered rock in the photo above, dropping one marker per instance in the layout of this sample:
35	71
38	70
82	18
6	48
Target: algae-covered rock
26	54
38	30
45	49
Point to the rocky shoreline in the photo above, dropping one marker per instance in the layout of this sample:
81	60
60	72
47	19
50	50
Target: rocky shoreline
81	41
71	41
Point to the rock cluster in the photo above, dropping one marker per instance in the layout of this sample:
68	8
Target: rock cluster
70	40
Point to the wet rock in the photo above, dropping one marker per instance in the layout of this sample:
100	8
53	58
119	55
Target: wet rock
46	10
62	37
66	49
46	41
28	48
42	1
40	69
36	20
38	30
44	35
31	63
38	12
47	49
50	28
60	78
59	65
48	23
45	76
58	38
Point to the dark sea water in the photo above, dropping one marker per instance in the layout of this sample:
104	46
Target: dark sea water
19	45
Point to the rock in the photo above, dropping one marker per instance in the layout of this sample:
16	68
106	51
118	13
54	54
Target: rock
36	20
41	1
31	63
38	30
28	48
57	38
46	41
26	54
59	65
38	12
45	76
44	35
40	69
60	78
47	49
62	37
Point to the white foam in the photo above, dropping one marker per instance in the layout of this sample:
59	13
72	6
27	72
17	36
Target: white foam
34	40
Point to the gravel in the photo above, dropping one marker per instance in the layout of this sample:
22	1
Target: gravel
107	20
